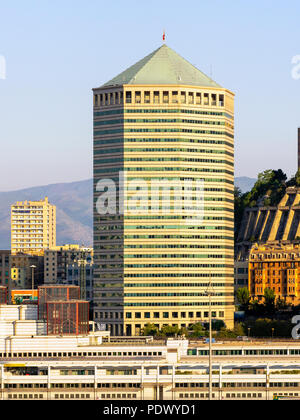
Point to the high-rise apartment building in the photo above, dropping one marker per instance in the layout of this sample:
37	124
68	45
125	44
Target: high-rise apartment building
162	128
33	226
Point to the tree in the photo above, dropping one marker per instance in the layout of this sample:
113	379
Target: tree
238	209
226	333
150	329
197	330
243	298
269	296
297	178
239	329
169	330
280	304
256	308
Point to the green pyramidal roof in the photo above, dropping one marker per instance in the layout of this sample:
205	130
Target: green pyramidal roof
162	67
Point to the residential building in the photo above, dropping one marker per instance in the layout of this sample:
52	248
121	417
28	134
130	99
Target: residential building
33	226
161	123
5	267
275	267
23	268
59	258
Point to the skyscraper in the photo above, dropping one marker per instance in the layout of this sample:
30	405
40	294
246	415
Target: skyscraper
161	128
33	226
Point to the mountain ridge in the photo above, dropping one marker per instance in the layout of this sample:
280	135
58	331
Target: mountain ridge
74	205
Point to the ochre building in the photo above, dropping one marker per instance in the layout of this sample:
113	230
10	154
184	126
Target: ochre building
275	267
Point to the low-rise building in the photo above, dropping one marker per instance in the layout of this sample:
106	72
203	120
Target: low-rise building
95	366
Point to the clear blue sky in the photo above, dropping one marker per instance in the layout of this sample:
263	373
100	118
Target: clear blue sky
58	50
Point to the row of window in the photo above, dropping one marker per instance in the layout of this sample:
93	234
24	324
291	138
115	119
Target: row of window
163	169
174	315
168	110
117	227
158	315
155	121
158	140
249	395
174	304
161	130
118	246
193	237
223	385
252	352
158	97
205	396
79	354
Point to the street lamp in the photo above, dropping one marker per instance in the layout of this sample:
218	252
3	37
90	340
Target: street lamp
32	278
249	332
272	333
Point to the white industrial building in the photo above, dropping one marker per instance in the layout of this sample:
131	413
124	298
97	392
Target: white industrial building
34	365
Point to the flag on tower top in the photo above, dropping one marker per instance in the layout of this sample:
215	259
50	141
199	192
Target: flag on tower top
164	36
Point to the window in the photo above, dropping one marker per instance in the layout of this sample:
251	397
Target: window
174	97
165	97
138	97
147	97
128	97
